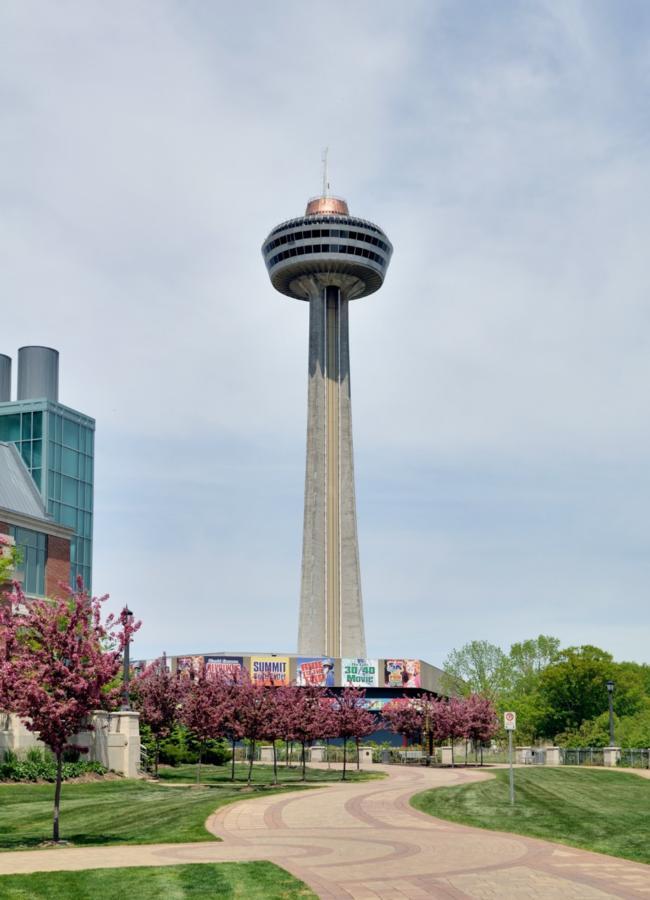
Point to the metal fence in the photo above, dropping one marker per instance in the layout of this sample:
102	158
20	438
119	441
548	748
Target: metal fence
583	756
635	759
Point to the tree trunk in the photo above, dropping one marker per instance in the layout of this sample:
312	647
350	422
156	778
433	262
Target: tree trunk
198	770
275	763
156	759
232	764
465	754
358	753
303	761
327	750
250	762
345	756
452	753
57	796
481	754
286	747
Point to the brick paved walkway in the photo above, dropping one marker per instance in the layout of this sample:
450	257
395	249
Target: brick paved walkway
364	841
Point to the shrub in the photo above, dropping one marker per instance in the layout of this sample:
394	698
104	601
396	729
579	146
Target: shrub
180	748
40	765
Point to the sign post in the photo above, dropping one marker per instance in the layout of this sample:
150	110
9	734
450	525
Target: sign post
510	725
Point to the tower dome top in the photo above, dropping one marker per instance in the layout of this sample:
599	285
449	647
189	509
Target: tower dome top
327	206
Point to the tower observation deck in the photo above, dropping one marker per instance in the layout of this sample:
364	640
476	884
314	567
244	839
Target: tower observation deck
328	258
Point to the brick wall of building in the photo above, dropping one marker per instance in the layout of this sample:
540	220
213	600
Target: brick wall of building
57	568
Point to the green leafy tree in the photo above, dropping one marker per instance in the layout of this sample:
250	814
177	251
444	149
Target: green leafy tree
477	668
573	689
528	659
9	559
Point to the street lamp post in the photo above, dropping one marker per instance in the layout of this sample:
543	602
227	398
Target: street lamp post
610	694
126	699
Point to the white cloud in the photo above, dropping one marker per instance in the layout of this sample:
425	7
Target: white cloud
148	150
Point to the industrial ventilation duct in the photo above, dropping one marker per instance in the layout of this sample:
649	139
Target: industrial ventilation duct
38	374
5	378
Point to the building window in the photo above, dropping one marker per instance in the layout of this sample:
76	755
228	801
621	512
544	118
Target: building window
32	547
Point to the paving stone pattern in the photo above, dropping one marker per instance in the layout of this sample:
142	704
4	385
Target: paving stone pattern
365	841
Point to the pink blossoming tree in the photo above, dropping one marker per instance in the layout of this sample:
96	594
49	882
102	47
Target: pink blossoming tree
482	722
353	720
158	695
403	716
204	710
60	662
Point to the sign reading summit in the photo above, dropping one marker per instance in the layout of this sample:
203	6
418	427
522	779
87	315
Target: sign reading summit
272	671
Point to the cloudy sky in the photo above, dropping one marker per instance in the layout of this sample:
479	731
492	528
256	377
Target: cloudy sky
500	378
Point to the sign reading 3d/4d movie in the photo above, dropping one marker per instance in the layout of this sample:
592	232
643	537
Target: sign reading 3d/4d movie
270	670
402	673
229	667
315	670
360	672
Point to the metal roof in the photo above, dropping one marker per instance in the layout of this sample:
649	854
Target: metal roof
18	492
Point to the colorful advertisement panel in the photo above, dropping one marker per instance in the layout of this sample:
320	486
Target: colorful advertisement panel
402	673
139	665
189	666
315	670
360	672
375	704
229	667
270	670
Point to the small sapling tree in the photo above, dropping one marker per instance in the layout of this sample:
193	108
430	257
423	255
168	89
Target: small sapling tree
403	716
309	718
204	711
353	720
482	722
252	711
158	695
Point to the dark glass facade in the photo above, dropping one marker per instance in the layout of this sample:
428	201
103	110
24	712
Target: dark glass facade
327	248
32	546
57	445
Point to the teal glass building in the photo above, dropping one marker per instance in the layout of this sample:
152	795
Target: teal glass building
57	445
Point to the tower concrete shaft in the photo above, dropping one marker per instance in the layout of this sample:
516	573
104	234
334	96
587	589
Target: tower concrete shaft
331	613
328	258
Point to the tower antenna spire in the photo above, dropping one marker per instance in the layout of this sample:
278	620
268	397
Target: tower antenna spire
326	184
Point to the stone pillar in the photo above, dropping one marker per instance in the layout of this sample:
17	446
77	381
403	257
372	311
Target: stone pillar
365	756
266	754
522	755
611	756
446	756
115	741
317	754
15	736
553	756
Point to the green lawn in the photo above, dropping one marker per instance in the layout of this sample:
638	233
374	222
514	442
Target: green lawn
608	812
134	812
238	881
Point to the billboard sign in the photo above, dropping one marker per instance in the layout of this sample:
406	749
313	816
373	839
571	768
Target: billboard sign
315	670
272	671
360	672
224	666
402	673
139	665
189	666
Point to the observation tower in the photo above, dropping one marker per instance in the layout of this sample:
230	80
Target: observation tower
328	258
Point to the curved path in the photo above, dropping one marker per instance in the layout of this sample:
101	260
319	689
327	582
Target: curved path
364	841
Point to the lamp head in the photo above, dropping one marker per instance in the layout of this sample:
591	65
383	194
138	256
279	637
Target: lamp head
610	687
